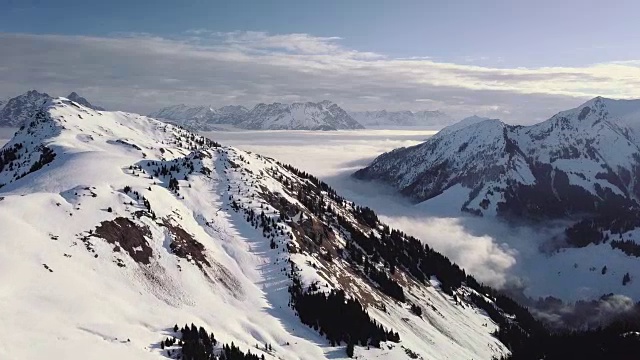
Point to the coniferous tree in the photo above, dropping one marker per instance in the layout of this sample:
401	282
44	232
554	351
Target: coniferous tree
350	349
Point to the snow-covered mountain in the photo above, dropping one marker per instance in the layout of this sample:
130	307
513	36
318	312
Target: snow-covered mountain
15	111
580	165
116	226
580	168
578	161
324	115
397	119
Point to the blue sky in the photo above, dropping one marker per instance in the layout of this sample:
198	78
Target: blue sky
476	46
516	32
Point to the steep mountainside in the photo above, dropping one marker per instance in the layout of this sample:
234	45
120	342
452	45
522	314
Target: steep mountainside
15	111
324	115
392	119
116	226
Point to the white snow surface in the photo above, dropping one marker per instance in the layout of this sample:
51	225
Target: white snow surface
67	294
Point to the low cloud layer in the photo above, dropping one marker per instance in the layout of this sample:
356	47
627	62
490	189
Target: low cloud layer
585	314
482	256
140	72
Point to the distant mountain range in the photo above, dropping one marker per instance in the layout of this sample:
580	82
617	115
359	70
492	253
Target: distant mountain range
323	115
15	111
398	119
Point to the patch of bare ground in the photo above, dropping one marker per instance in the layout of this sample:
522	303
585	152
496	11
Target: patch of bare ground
126	235
185	246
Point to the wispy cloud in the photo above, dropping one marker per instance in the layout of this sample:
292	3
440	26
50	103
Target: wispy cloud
140	72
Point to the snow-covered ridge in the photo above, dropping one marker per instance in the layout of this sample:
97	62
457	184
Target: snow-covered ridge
117	226
323	115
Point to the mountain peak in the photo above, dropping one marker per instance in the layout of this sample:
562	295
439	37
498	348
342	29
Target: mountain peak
82	101
34	92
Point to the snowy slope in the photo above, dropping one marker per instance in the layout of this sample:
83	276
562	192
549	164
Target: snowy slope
115	226
397	119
